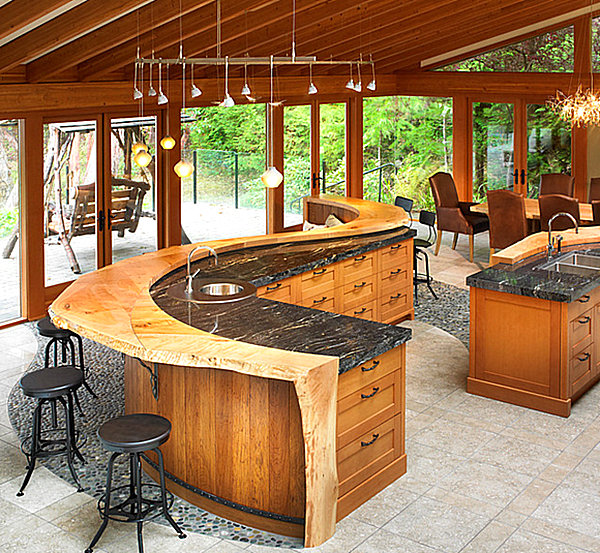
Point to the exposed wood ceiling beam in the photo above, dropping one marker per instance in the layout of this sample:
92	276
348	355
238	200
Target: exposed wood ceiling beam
167	35
19	13
109	36
60	30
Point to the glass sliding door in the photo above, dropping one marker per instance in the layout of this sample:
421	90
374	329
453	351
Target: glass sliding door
493	148
70	176
132	217
548	145
296	162
332	148
10	209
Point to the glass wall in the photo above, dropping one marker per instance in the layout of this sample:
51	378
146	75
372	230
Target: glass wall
406	139
224	197
296	162
69	200
133	188
332	148
493	148
548	145
10	183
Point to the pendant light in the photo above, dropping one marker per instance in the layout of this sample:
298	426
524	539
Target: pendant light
142	158
271	178
137	147
183	168
228	101
151	90
373	84
195	90
312	89
162	99
358	85
137	93
350	83
246	89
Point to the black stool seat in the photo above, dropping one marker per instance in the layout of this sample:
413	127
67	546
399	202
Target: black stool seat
134	433
47	328
421	243
51	383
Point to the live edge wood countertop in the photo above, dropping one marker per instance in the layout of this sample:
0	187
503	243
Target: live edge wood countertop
113	306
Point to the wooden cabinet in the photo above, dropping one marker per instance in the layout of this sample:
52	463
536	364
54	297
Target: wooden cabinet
285	290
370	428
532	352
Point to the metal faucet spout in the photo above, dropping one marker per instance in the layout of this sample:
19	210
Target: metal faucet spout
550	221
189	277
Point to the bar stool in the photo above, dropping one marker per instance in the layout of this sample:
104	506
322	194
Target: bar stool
51	386
133	435
66	340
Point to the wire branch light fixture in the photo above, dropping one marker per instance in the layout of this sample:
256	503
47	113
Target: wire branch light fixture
219	60
582	108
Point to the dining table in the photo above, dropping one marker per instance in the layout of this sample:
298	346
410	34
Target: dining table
532	210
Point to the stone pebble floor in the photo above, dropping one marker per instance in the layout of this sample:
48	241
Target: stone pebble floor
450	312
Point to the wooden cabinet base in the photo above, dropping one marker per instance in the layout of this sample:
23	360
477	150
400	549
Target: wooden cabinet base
552	405
370	487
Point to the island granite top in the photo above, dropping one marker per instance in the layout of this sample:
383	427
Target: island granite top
525	278
284	326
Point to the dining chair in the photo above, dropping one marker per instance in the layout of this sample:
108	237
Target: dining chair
453	215
508	223
556	183
551	204
594	192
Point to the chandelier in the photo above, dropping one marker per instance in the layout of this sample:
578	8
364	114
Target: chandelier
271	177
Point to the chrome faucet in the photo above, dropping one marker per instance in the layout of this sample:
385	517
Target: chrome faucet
190	277
560	238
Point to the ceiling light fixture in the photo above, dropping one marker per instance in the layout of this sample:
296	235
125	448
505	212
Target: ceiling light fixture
312	89
246	89
195	90
358	85
271	178
228	101
350	83
183	168
137	93
373	84
162	99
151	90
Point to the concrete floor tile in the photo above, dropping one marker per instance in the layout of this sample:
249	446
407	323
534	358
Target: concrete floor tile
348	534
510	518
522	541
468	503
66	505
532	497
490	538
561	534
383	540
384	506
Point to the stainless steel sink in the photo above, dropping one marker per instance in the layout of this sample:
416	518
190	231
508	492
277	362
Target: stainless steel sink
575	264
213	290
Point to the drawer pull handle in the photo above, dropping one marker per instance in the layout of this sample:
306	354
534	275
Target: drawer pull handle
278	285
324	298
584	299
319	272
396	247
361	285
373	366
365	444
396	272
584	320
584	357
360	311
367	396
396	296
360	258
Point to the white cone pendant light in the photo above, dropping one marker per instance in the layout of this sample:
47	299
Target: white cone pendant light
137	93
195	90
228	101
162	99
151	90
246	89
373	84
312	89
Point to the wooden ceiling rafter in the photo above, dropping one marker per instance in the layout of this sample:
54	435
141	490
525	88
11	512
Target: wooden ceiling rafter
109	36
62	29
19	13
166	35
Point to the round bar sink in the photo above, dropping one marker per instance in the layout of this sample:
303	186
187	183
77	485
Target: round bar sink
206	290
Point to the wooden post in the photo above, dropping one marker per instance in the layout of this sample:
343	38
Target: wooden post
462	147
274	124
168	209
315	154
354	147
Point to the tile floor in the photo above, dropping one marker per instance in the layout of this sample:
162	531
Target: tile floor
483	476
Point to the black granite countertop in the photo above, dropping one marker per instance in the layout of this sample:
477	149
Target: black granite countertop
527	279
289	327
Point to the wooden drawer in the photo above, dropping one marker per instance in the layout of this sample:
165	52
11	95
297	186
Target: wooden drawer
324	302
357	268
279	291
364	375
396	255
394	305
581	331
581	369
366	311
369	453
358	292
318	281
368	407
395	278
582	304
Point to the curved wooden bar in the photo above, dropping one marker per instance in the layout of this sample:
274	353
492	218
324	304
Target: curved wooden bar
113	306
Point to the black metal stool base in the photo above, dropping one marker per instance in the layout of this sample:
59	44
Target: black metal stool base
420	278
135	508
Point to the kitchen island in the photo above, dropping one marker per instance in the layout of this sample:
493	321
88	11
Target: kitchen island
287	413
535	323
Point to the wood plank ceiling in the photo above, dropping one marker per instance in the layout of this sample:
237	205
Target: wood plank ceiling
96	40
